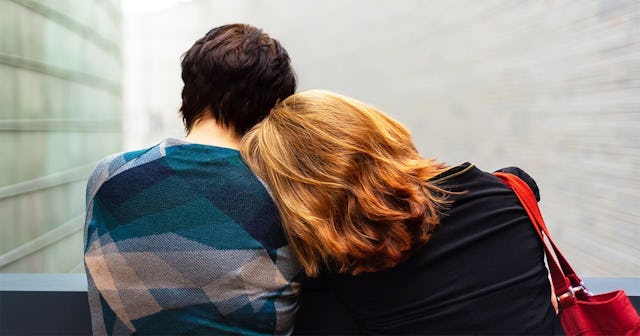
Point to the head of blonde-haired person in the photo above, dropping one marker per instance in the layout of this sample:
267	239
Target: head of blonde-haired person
351	188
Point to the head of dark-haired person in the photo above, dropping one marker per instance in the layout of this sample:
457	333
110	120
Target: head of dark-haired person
236	73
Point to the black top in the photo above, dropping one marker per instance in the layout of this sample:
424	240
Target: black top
482	272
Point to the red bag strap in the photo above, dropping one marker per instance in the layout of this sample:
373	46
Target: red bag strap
564	278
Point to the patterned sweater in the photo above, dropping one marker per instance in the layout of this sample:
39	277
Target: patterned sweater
183	239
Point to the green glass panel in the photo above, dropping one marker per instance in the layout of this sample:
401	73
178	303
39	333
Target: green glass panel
8	89
9	217
56	97
30	95
9	150
8	27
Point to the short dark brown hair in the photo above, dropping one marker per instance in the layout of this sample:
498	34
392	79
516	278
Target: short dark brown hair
238	73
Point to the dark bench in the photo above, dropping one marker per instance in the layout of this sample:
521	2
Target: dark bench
56	304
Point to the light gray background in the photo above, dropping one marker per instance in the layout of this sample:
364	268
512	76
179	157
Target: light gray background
552	86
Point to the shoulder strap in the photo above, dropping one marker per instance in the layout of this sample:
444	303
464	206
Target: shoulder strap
564	278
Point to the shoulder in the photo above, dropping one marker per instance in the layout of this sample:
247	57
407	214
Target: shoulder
467	176
102	171
114	164
523	176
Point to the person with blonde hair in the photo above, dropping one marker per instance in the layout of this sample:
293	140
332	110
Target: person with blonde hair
407	244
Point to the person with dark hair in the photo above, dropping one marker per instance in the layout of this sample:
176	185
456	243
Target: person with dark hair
181	237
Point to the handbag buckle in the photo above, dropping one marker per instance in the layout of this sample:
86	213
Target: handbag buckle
571	293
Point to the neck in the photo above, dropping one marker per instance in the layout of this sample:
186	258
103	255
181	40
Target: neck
207	131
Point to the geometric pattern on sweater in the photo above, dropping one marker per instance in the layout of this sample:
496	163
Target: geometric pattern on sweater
184	239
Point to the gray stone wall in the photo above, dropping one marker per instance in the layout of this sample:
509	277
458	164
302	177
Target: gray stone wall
60	111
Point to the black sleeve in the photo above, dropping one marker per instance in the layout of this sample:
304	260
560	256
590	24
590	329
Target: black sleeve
525	177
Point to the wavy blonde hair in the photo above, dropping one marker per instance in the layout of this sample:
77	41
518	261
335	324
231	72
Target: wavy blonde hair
350	186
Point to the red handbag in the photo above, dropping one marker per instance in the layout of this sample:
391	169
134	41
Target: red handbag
580	312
